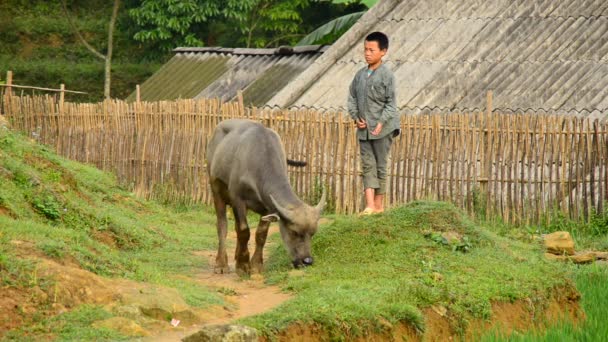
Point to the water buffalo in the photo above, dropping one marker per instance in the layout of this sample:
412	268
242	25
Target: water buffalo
248	170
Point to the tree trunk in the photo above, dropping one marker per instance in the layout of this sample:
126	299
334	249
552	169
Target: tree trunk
108	67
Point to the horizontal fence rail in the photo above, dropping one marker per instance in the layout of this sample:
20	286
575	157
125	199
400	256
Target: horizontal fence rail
517	167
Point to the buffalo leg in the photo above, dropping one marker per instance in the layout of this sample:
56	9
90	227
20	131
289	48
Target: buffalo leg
261	233
221	260
242	238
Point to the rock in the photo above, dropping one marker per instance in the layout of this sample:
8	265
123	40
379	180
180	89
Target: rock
224	333
123	325
579	258
601	255
559	243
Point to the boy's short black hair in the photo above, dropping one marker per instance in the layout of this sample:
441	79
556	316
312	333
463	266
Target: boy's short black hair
379	37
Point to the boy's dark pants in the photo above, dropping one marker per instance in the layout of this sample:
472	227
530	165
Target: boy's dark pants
374	157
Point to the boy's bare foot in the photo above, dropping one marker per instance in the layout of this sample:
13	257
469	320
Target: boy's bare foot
367	211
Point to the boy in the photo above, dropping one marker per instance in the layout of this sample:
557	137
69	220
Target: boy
371	104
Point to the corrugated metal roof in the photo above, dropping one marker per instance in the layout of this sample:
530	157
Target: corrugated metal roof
549	55
220	72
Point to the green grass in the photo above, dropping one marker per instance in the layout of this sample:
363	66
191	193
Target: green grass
591	281
75	325
391	267
69	210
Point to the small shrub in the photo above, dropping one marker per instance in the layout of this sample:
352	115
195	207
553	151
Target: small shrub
47	205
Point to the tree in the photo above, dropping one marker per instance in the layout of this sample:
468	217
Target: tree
332	30
271	21
108	56
172	23
328	33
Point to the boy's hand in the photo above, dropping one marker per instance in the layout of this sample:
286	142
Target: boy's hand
361	124
378	129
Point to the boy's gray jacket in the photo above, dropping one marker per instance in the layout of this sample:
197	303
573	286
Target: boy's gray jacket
373	99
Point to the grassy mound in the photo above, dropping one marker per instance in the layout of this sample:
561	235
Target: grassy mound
53	208
391	267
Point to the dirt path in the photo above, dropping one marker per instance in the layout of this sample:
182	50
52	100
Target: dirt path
243	297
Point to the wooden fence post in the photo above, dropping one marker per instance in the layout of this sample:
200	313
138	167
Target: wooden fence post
9	82
61	98
239	96
137	94
486	159
8	94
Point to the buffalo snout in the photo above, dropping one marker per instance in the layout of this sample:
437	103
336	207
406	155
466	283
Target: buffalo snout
308	261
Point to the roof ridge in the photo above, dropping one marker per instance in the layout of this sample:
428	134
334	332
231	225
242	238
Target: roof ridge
352	61
494	17
463	109
281	50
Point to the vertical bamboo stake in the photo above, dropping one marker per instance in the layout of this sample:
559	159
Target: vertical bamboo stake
527	172
61	98
486	162
591	158
469	155
552	182
584	170
341	157
239	96
428	155
601	164
510	136
452	158
540	177
497	164
411	147
8	92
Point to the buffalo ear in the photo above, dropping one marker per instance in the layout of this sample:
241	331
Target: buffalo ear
270	218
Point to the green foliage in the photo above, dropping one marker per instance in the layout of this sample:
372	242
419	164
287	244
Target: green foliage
462	246
331	31
46	204
173	22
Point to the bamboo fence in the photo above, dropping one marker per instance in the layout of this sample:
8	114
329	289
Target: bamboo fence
517	167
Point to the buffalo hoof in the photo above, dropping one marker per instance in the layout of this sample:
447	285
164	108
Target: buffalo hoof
221	270
243	269
256	268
